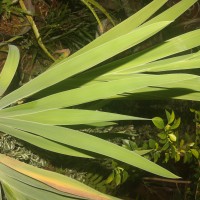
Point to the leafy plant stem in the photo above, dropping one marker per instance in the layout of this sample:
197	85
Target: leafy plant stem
94	13
35	30
97	5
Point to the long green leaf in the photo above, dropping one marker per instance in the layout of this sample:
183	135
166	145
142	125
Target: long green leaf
181	7
175	45
82	62
18	190
71	117
44	143
120	82
142	62
123	28
170	64
172	91
173	12
126	26
9	68
34	183
101	90
88	143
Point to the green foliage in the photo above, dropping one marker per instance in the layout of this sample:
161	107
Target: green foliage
9	69
108	182
170	146
44	118
117	177
171	143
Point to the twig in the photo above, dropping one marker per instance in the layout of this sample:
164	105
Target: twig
166	180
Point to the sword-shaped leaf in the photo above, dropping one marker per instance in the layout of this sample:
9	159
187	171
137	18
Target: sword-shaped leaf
88	142
25	182
44	143
100	90
82	62
9	68
71	117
